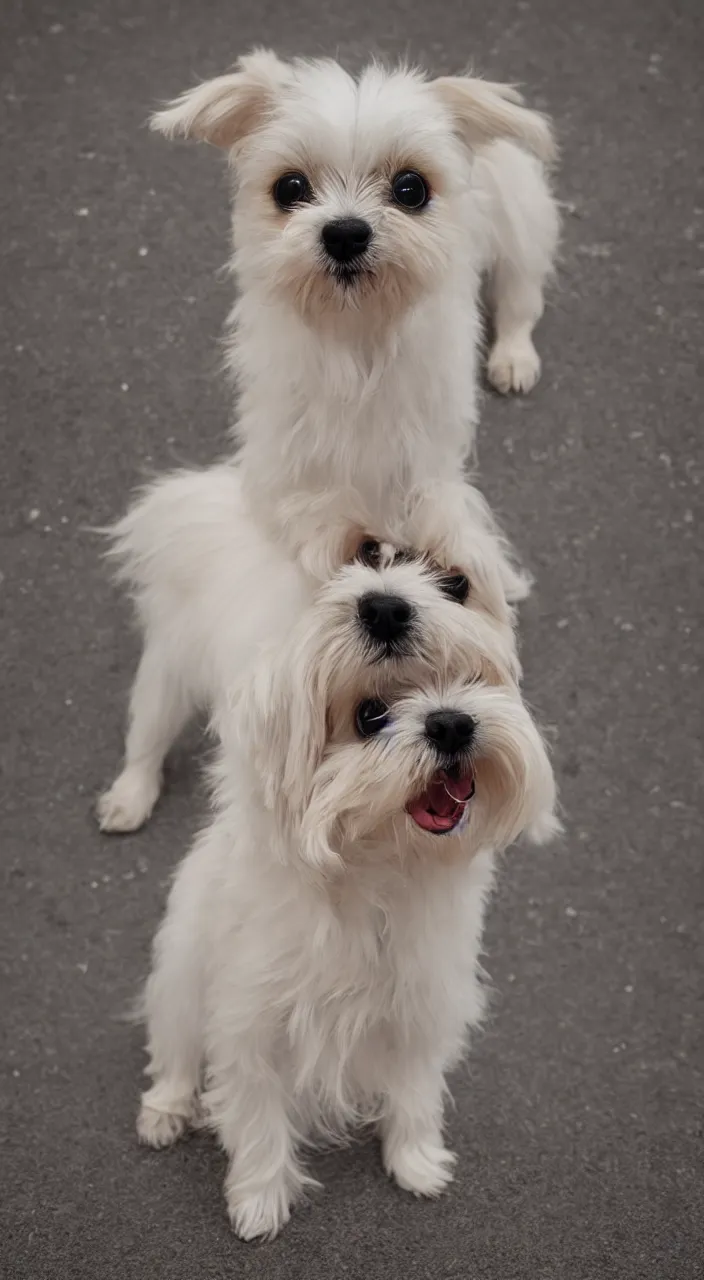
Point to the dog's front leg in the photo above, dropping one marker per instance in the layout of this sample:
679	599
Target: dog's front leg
411	1125
250	1109
159	708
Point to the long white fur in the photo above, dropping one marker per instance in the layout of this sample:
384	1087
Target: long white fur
372	390
357	407
318	963
318	959
212	588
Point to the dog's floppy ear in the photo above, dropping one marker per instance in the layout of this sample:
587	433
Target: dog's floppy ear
223	111
282	712
484	112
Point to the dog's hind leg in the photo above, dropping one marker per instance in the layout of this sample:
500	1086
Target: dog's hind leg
524	235
159	708
173	1009
514	363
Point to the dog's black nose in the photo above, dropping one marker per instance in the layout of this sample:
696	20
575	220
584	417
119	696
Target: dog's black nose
386	618
449	731
346	238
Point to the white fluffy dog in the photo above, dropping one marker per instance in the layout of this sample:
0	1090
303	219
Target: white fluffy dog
365	212
211	588
318	963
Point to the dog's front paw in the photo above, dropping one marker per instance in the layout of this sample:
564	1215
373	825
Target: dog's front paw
129	802
259	1215
425	1168
166	1113
159	1128
513	366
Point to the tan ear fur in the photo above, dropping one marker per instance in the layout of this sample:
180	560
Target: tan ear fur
225	110
485	112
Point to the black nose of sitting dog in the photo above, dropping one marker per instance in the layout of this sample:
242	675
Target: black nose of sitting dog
386	618
346	238
449	731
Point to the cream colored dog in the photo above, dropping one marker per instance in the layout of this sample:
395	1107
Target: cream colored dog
365	212
317	966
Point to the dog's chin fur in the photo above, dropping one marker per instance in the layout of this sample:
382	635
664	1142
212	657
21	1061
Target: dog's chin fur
318	963
368	382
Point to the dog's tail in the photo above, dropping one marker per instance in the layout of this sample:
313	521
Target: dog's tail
176	525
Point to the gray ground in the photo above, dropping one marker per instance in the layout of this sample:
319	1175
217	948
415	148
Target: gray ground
578	1126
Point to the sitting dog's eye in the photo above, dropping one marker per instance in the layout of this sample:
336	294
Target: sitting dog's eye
410	190
370	717
291	189
455	586
368	552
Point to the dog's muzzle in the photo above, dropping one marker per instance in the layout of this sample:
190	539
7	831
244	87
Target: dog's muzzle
443	806
346	239
449	732
387	620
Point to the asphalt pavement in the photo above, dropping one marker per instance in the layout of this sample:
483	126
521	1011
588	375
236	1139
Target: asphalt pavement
578	1121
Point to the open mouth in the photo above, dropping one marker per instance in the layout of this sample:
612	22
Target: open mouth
443	804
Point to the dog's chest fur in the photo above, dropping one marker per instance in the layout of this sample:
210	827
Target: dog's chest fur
380	965
377	413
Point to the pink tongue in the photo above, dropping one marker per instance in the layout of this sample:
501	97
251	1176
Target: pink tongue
442	805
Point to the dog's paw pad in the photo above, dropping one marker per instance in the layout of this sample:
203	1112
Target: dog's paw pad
260	1216
423	1168
128	803
159	1128
513	367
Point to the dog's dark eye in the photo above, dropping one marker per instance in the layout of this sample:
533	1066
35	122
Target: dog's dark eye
370	717
410	190
291	189
368	552
455	586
